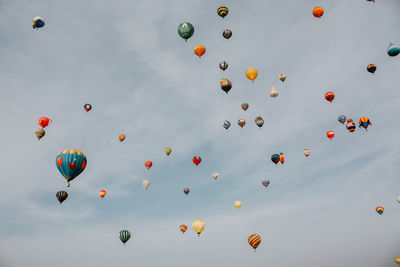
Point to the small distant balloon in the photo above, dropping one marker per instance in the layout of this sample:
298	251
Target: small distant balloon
102	193
227	124
351	126
245	106
44	122
38	22
40	133
226	85
196	160
87	107
273	92
265	183
186	190
238	204
275	158
199	50
282	77
307	152
241	123
198	226
393	50
223	65
61	196
318	12
342	119
364	122
168	151
251	74
222	11
397	260
259	121
121	137
380	210
146	184
330	134
183	228
371	68
185	30
282	158
254	241
148	164
227	33
215	175
124	236
330	96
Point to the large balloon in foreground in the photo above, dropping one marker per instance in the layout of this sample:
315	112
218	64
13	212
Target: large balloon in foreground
330	96
307	152
44	122
87	107
121	137
397	260
238	204
393	50
102	193
124	236
259	121
226	85
227	124
241	123
183	228
254	241
273	92
168	151
38	22
199	50
146	184
330	134
342	119
371	68
196	160
223	65
380	210
265	183
275	158
71	163
318	11
251	74
222	11
40	133
148	164
185	30
61	196
198	226
364	122
227	33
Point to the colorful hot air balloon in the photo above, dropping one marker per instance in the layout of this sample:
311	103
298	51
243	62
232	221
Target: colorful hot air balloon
282	158
61	196
71	163
330	134
226	85
148	164
196	160
40	133
124	236
238	204
245	106
254	241
87	107
396	259
351	126
364	122
186	190
273	92
44	122
227	33
199	50
318	11
371	68
307	152
185	30
259	121
121	137
168	150
342	119
330	96
102	193
183	228
251	74
223	65
282	77
222	11
275	158
227	124
380	210
265	183
215	175
38	22
146	184
241	123
393	50
198	226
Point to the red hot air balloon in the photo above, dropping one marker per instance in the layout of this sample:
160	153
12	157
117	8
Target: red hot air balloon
44	121
196	160
254	241
148	164
102	193
330	134
330	96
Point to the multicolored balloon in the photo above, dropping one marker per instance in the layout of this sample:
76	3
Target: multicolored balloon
121	137
265	183
198	226
396	259
102	193
282	77
87	107
185	30
71	163
227	33
380	210
196	160
282	158
241	122
215	175
330	96
199	50
245	106
38	22
351	126
40	133
259	121
61	196
222	11
148	164
186	190
226	85
342	119
223	65
183	228
124	236
254	241
364	122
371	68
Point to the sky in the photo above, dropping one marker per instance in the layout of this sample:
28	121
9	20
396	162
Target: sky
127	60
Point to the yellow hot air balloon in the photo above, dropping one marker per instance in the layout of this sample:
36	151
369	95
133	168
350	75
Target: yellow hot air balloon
251	74
199	50
307	152
397	260
238	204
168	151
198	226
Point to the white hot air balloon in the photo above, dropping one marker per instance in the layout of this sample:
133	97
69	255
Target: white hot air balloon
273	92
146	183
398	199
215	175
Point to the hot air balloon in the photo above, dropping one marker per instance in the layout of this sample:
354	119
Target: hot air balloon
398	199
330	134
124	235
186	190
380	210
282	158
282	77
198	226
146	184
275	158
330	96
148	164
223	65
396	259
259	121
273	92
364	122
307	152
251	74
342	119
61	196
241	122
318	11
227	124
38	22
121	137
226	85
40	133
196	160
168	150
222	11
238	204
351	126
185	30
265	183
199	50
87	107
215	175
71	163
44	122
183	228
393	50
254	241
102	193
371	68
227	33
245	106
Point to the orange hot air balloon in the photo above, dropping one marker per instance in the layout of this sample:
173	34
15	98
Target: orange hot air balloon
330	134
44	122
183	228
318	11
330	96
199	50
102	193
282	158
148	164
121	137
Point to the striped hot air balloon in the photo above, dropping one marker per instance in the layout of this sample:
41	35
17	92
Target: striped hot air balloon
124	236
199	50
71	163
61	196
380	210
222	11
226	85
330	96
148	164
40	133
223	65
227	124
265	183
183	228
254	241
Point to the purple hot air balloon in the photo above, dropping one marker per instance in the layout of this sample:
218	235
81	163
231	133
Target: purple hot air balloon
265	183
186	190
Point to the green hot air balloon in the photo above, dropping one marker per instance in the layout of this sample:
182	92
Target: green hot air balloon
185	30
124	235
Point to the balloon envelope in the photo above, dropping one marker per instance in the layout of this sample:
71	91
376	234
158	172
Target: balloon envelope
251	74
71	163
307	152
102	193
124	236
146	184
61	196
44	122
185	30
168	151
198	226
254	241
238	204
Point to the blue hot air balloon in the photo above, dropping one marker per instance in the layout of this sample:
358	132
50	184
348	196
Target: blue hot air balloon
342	119
71	162
393	50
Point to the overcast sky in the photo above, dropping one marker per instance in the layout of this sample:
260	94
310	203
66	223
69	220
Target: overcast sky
127	60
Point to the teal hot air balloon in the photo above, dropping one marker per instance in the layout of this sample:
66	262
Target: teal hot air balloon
185	30
124	235
71	162
275	158
61	196
393	50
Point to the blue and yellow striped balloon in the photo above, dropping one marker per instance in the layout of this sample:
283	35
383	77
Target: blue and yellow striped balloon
71	162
